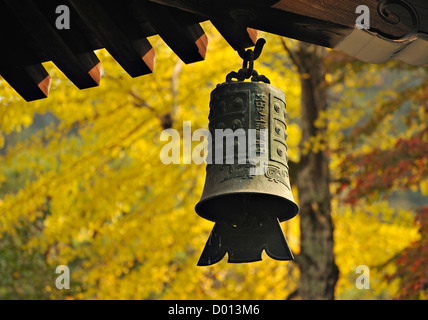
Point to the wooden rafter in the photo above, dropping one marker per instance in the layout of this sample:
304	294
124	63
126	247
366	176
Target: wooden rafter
399	29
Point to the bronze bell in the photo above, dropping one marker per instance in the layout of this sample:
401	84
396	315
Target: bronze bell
248	193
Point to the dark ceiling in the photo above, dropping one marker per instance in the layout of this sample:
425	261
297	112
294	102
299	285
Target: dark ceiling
30	36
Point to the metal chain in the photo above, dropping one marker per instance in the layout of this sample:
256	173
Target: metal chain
247	70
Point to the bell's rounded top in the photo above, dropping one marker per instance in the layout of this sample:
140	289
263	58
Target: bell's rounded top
249	85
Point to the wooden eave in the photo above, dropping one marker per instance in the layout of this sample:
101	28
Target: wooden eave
398	30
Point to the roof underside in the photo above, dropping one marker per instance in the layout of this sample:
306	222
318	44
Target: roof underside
398	30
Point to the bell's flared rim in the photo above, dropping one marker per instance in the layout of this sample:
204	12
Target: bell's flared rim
291	209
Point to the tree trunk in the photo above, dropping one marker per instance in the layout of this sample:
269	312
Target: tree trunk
318	270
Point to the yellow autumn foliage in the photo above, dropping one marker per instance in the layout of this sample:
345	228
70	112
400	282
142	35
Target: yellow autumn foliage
89	191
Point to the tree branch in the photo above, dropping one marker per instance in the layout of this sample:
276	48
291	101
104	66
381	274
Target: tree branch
291	54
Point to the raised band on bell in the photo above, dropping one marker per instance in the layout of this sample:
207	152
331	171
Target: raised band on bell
247	199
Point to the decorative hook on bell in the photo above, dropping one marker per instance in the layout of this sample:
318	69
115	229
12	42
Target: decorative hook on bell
249	54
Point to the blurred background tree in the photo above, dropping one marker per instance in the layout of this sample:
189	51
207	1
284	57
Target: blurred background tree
82	184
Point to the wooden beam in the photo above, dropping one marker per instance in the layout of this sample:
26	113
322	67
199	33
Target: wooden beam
226	27
30	36
178	29
16	48
44	37
19	65
291	25
78	37
117	34
31	82
343	13
392	19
